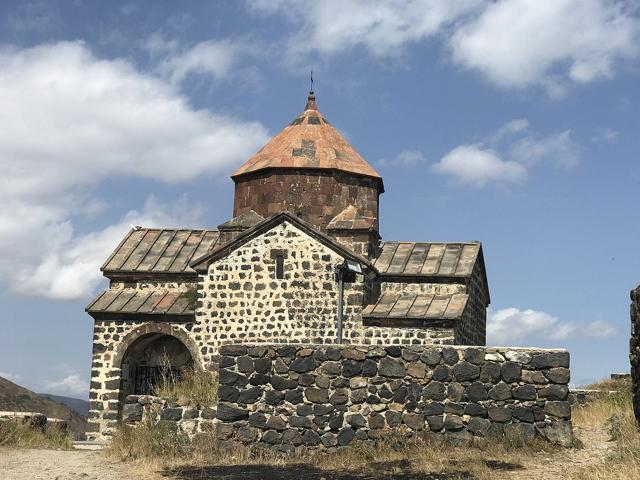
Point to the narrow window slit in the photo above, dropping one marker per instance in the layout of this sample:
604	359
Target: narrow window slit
279	266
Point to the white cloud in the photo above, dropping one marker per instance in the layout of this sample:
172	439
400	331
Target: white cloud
514	43
605	135
472	165
517	43
216	58
70	121
382	27
406	158
507	155
71	385
512	326
12	377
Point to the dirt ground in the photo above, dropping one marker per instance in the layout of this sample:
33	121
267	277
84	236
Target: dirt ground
91	465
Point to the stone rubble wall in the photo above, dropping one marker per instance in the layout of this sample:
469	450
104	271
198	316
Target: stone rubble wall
188	420
634	350
287	397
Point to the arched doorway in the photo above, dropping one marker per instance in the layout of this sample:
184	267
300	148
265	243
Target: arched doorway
147	359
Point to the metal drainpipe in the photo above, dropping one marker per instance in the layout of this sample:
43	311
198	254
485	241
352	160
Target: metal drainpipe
340	302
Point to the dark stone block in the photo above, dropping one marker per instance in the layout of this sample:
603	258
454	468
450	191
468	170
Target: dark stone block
303	364
460	438
465	371
385	392
250	395
502	391
336	420
332	368
247	434
393	418
310	438
434	391
329	440
190	413
400	395
132	412
208	413
558	375
524	414
262	365
259	379
171	414
346	436
333	353
499	414
306	380
292	437
272	437
479	426
555	392
316	395
455	392
476	392
300	422
433	408
351	368
376	420
233	350
229	413
245	364
475	410
450	355
304	410
455	408
436	422
442	373
276	423
558	409
524	392
273	397
258	420
294	396
369	368
431	356
391	368
339	397
227	377
321	421
490	372
112	384
550	360
511	372
227	393
287	351
453	422
474	355
323	409
393	350
225	361
282	383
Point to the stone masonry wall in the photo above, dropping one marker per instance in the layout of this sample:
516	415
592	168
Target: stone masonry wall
241	301
634	350
290	396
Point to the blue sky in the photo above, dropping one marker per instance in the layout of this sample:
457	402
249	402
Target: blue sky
512	122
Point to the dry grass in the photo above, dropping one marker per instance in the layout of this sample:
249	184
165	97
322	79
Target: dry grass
18	434
195	388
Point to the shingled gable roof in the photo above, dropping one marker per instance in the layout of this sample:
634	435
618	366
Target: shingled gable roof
152	251
201	264
309	141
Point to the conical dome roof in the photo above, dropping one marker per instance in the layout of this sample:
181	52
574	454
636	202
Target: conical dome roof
309	141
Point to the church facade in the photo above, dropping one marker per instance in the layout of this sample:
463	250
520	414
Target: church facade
304	204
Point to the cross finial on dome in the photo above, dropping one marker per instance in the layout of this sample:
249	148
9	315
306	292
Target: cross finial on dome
311	99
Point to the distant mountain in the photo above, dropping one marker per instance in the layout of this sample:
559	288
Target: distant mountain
14	398
77	404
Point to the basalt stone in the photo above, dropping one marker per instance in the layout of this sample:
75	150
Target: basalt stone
524	414
287	351
259	379
258	420
233	350
276	423
333	353
294	396
385	392
376	420
227	377
431	356
340	382
511	372
433	408
475	410
558	432
351	368
442	373
262	365
434	391
476	392
224	431
490	372
132	412
400	395
323	409
455	392
558	375
247	434
356	420
393	350
310	438
453	422
332	368
322	381
190	413
465	371
208	413
391	368
417	370
245	364
393	418
409	355
496	430
321	421
250	395
499	414
336	420
436	422
300	422
172	414
353	354
455	408
500	392
474	355
554	392
369	368
372	399
558	409
229	413
524	392
292	437
346	436
225	361
538	413
303	364
282	383
306	380
329	439
415	421
518	357
550	360
533	376
460	438
479	426
272	437
359	396
304	410
519	432
316	395
257	351
273	397
450	356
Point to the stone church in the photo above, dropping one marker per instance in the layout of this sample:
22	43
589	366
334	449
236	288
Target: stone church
303	205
